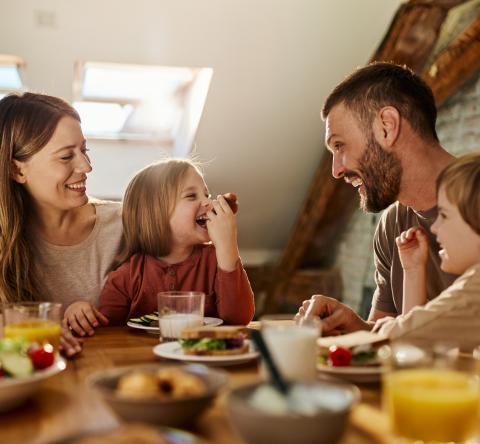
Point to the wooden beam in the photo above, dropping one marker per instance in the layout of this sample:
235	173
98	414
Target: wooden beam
414	32
455	65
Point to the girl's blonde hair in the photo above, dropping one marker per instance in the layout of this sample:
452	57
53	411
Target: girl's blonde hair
148	203
461	182
27	123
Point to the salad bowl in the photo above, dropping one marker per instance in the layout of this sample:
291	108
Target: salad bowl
15	391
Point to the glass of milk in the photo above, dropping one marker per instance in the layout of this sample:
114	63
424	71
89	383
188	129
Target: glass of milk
293	347
178	310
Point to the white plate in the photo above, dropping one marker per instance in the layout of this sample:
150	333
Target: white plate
14	391
212	322
354	374
172	350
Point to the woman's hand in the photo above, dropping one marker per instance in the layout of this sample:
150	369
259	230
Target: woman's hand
82	318
413	248
69	344
222	229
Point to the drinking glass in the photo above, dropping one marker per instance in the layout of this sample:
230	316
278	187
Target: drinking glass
178	310
293	346
431	395
35	322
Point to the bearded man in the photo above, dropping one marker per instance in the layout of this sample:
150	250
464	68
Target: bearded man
380	129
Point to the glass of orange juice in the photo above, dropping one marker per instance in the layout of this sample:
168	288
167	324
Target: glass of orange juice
431	398
36	322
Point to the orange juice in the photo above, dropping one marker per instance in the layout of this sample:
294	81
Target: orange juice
433	404
42	331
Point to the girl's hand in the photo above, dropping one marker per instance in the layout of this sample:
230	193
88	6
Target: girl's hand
222	229
82	318
69	344
413	248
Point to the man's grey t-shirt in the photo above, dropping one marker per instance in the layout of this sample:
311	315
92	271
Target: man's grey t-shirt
388	295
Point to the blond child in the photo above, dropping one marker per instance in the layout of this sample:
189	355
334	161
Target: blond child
455	314
169	220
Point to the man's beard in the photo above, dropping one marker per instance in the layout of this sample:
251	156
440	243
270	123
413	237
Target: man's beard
381	174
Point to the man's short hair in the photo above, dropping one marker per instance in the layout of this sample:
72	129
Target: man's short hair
380	84
461	182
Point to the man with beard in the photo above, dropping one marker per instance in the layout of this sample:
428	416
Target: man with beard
380	129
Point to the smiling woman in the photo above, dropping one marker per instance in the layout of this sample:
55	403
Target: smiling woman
55	243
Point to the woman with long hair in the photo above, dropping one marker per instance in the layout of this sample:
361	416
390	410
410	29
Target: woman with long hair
56	244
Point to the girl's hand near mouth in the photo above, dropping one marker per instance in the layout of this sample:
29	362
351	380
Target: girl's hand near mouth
222	229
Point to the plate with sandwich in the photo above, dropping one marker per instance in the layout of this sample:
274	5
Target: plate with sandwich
224	345
149	322
352	356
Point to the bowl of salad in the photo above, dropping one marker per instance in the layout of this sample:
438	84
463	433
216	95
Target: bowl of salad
23	367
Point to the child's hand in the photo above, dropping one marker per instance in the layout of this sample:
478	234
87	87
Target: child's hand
413	248
82	318
222	229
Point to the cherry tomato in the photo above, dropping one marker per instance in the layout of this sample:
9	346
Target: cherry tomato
339	356
42	357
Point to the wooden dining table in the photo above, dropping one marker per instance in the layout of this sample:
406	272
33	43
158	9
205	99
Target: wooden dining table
64	405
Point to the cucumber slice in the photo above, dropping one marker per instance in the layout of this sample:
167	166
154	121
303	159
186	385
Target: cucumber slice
151	317
16	365
136	320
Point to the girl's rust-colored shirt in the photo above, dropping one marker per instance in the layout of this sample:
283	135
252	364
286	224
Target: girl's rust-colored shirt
131	290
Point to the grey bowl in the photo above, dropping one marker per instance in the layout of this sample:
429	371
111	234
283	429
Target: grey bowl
259	427
171	412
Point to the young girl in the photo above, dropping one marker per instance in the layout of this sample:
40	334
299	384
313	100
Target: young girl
168	218
455	314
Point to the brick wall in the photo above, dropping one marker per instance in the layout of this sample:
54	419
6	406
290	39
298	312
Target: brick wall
458	128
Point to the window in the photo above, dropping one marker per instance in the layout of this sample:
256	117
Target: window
11	74
141	102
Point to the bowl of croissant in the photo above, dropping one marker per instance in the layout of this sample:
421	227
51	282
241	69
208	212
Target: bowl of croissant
170	395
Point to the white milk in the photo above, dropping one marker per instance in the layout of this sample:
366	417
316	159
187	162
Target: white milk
172	325
294	350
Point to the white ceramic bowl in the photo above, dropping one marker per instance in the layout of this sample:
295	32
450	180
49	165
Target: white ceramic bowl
323	427
15	391
171	412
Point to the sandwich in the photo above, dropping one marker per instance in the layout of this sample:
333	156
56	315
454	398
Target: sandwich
353	349
214	341
232	201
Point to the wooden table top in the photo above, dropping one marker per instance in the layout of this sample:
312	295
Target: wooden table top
63	406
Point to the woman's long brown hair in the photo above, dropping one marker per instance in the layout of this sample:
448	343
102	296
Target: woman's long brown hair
27	123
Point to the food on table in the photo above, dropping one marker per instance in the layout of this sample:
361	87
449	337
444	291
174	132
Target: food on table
126	434
168	383
361	355
149	320
20	359
214	341
302	399
339	356
353	349
40	331
42	357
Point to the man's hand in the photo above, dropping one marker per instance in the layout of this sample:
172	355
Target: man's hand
337	318
82	318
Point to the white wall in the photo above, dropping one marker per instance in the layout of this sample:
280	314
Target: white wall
274	63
